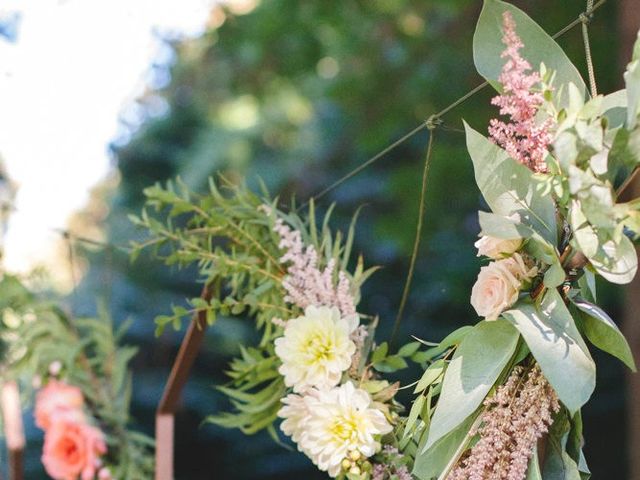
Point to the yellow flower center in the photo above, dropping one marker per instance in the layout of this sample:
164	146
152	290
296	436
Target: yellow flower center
344	428
319	348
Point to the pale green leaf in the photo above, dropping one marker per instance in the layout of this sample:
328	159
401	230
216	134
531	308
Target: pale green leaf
429	463
509	187
602	331
554	340
475	367
539	47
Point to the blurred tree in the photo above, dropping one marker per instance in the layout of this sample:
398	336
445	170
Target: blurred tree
298	93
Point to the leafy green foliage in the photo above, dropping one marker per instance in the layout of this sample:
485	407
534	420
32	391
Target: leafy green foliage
229	235
92	359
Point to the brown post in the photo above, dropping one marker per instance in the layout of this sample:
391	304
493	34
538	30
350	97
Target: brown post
177	379
629	24
13	428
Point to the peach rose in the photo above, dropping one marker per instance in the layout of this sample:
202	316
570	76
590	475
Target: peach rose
499	284
496	247
56	397
72	449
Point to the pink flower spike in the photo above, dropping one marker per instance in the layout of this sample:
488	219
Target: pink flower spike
522	137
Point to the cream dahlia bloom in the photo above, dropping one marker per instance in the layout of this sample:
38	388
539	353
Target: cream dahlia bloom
499	284
330	424
316	348
496	248
295	413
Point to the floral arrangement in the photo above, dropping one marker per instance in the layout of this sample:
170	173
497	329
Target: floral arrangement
497	400
82	385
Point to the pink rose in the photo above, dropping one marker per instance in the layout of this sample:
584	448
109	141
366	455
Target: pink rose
55	398
72	449
499	285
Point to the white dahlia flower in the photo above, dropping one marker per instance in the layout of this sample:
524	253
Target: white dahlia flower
331	425
316	348
295	413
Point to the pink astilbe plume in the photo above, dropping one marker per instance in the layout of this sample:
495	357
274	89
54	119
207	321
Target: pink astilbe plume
515	418
306	282
522	138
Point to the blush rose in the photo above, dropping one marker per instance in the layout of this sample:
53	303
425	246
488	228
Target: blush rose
499	285
496	248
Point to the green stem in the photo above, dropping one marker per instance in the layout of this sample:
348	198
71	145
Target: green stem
418	237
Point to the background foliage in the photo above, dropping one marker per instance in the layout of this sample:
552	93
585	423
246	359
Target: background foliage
297	94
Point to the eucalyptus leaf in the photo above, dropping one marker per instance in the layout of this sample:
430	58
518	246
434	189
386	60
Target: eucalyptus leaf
558	464
602	331
505	228
430	462
614	108
554	340
632	80
538	48
509	187
474	369
533	471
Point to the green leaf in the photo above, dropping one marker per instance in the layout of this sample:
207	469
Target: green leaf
632	81
475	367
613	258
614	107
533	472
409	349
602	331
554	340
509	187
391	364
416	408
380	352
558	464
432	461
430	375
505	228
454	338
539	47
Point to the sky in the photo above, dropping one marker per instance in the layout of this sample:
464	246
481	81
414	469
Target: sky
64	82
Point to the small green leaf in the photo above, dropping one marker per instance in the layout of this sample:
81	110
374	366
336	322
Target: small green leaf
429	376
391	364
409	349
414	413
380	352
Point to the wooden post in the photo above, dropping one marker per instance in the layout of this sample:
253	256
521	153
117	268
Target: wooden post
628	26
171	396
13	428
